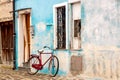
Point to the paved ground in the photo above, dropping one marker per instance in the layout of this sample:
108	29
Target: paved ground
21	74
9	74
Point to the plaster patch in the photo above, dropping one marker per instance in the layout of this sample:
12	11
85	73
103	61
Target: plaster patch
41	26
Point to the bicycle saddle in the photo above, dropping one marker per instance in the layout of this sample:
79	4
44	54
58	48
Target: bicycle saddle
40	50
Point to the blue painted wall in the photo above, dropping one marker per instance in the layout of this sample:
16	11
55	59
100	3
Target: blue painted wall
42	21
42	12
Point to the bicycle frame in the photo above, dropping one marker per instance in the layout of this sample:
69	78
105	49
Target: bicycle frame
40	58
40	65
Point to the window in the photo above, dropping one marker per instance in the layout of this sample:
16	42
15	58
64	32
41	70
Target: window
75	26
60	24
67	37
61	30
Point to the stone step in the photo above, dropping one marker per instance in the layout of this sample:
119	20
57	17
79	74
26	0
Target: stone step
5	66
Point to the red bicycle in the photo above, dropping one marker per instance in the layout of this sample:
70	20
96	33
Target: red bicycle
35	63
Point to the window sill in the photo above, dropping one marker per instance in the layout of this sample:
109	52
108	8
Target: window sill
61	49
77	49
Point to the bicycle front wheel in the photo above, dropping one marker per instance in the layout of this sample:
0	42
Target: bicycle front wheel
53	66
31	70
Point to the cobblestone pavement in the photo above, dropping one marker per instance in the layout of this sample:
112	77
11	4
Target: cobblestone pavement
9	74
21	74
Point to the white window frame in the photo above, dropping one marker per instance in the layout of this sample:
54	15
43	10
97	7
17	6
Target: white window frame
55	22
71	23
73	1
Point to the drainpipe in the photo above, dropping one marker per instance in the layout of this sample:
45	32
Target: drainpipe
14	38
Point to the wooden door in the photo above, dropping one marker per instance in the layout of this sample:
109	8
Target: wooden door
26	29
7	42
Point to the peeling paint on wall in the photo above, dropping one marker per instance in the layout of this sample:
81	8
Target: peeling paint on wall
101	38
41	26
103	64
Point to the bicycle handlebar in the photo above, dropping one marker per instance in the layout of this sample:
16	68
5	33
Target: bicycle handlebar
46	47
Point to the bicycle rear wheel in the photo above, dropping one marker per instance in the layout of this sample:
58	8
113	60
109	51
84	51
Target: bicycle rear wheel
53	66
31	70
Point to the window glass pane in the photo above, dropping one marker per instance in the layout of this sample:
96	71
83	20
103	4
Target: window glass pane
77	28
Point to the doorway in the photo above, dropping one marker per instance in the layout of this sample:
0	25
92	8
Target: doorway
24	39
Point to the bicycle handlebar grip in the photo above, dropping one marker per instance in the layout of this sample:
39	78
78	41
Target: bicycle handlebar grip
46	47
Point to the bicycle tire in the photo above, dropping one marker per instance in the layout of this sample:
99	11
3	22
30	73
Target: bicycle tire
30	69
53	66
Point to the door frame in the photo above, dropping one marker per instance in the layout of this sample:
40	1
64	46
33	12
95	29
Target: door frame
21	49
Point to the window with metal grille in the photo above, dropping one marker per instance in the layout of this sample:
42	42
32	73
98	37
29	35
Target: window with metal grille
61	28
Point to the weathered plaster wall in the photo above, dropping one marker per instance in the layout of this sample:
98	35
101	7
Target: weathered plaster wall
5	9
100	35
100	38
42	21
